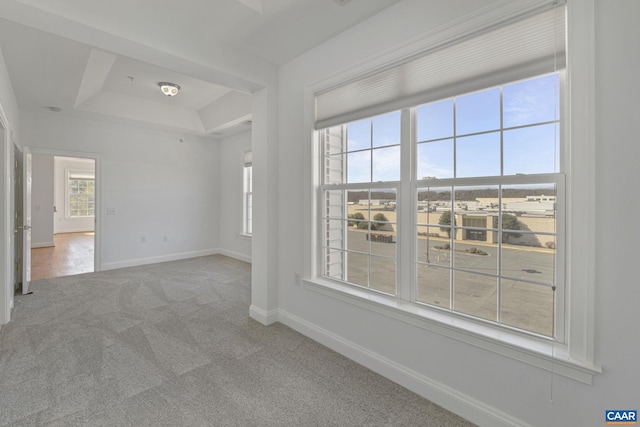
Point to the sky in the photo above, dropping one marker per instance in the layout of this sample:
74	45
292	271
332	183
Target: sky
473	122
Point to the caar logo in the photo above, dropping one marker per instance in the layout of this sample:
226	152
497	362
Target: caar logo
621	417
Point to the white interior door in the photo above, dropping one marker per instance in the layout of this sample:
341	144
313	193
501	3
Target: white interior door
26	219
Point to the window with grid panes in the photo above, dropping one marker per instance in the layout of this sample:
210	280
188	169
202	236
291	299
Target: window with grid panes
491	245
487	188
361	179
485	183
81	196
248	194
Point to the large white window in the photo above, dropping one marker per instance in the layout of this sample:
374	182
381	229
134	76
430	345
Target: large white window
247	194
80	194
485	194
444	182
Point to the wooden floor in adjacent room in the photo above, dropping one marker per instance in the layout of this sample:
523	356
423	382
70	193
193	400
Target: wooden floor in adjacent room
72	254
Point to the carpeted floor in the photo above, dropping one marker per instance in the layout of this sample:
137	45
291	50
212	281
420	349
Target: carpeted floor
172	345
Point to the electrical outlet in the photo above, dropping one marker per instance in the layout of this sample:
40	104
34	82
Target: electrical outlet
298	279
143	239
166	239
111	211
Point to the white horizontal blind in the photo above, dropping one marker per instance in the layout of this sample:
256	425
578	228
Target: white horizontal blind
532	46
81	175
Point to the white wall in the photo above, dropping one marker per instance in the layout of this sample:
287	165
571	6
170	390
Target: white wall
160	184
62	223
524	393
42	200
232	151
8	102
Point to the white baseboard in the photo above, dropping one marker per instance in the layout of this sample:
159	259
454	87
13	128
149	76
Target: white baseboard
265	317
42	245
75	230
157	259
235	255
438	393
174	257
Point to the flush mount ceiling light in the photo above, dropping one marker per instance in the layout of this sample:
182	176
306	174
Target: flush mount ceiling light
169	89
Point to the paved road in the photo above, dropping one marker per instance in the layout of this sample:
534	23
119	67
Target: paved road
525	305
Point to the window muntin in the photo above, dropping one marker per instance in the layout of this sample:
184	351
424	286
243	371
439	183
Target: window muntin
492	166
80	196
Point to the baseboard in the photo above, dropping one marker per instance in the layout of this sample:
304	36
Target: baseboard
74	230
157	259
438	393
235	255
42	245
265	317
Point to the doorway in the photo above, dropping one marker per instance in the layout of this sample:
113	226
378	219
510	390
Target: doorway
63	201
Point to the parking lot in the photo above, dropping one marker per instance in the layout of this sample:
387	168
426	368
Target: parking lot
524	294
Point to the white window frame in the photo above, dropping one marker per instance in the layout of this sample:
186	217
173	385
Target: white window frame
574	358
77	174
247	195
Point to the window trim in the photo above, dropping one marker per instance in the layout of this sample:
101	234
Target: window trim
575	359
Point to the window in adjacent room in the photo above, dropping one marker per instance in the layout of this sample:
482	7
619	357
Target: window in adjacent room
247	194
80	194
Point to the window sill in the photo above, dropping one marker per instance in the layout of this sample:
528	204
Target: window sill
244	236
541	353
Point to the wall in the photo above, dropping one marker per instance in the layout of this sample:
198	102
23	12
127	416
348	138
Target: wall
232	151
463	377
162	187
42	200
617	175
63	224
8	102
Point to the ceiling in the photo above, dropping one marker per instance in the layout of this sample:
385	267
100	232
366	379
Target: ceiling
104	59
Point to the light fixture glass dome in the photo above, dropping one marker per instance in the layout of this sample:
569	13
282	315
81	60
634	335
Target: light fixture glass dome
169	89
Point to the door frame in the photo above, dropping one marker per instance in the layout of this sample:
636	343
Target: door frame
97	237
7	251
24	229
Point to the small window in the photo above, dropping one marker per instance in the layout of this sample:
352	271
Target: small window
248	194
80	194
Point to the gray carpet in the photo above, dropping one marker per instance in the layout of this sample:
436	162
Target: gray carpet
172	345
